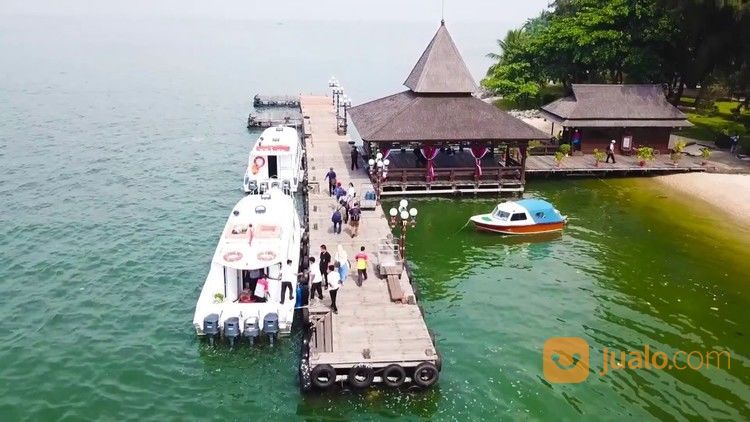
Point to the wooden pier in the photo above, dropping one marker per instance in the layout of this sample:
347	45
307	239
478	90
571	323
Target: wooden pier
379	334
627	165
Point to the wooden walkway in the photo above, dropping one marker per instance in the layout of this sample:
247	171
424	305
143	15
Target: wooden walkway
370	328
583	165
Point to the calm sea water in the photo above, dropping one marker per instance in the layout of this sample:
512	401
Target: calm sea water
121	148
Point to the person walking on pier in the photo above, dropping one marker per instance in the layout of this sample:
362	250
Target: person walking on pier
611	152
331	176
355	158
325	259
342	260
336	219
333	288
316	280
339	191
354	214
361	259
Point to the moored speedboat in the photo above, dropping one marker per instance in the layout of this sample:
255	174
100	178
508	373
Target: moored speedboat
527	216
274	161
241	297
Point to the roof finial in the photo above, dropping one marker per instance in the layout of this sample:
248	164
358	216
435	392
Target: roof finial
442	14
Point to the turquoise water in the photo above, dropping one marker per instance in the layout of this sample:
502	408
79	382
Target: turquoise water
122	146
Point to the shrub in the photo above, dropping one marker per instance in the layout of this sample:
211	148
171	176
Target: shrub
564	149
599	155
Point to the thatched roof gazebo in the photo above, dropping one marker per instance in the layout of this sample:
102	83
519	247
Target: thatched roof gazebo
631	115
455	141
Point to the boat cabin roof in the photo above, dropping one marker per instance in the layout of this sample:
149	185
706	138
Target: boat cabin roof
540	211
278	140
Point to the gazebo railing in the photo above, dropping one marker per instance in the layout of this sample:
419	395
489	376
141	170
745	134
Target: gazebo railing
452	175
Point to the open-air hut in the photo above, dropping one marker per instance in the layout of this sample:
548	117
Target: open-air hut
437	136
632	115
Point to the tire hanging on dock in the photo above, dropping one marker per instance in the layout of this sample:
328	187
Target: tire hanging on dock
425	375
393	375
361	376
323	376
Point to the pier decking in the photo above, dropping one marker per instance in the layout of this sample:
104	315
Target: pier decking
585	165
378	324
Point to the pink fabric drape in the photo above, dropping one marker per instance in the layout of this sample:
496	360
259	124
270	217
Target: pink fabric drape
478	153
386	152
430	153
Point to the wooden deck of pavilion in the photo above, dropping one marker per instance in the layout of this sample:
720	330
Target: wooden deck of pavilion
585	165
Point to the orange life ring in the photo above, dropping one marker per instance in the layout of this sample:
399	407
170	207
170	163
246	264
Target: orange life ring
232	256
266	256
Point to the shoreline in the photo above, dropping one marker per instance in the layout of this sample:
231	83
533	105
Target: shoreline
726	193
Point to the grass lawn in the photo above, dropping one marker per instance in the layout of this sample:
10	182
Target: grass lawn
707	127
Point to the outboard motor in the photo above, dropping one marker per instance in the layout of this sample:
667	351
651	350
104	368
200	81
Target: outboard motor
271	326
211	327
286	186
263	187
232	329
251	331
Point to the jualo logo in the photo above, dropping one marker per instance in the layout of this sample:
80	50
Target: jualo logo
566	360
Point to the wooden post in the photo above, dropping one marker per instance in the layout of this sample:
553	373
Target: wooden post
523	164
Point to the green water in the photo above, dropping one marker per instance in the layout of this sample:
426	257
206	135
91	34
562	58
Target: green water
122	147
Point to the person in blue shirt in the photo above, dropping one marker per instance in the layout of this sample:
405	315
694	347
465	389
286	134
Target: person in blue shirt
331	176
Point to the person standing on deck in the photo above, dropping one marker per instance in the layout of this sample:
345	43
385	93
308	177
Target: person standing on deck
342	259
331	176
611	152
339	191
333	289
355	158
316	280
288	275
336	219
325	259
361	259
354	214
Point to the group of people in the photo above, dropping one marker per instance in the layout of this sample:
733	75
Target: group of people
330	273
347	209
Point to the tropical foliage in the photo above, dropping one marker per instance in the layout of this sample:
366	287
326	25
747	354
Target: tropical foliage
679	43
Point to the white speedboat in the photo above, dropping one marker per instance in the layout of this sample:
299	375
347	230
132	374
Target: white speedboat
241	298
275	161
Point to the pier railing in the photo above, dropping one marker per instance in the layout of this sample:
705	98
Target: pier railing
398	177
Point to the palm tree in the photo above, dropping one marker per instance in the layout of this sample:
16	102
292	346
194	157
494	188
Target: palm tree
512	38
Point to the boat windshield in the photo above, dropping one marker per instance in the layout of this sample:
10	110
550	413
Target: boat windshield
502	215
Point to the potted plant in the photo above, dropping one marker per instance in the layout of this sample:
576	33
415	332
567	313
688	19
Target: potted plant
532	145
219	298
559	156
676	154
565	149
599	156
705	154
644	154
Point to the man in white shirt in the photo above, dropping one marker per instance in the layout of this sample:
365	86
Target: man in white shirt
316	280
334	282
288	276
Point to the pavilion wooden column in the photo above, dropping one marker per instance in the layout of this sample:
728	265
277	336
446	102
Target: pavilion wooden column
523	164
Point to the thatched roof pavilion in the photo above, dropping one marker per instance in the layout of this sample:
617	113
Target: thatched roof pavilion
438	115
632	115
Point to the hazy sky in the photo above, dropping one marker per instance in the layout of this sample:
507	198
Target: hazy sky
507	11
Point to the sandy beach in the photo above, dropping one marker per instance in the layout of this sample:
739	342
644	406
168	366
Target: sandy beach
728	192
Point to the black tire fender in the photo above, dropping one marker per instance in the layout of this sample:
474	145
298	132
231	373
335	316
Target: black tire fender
426	375
323	376
393	375
361	376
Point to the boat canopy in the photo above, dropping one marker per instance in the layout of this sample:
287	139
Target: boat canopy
542	212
